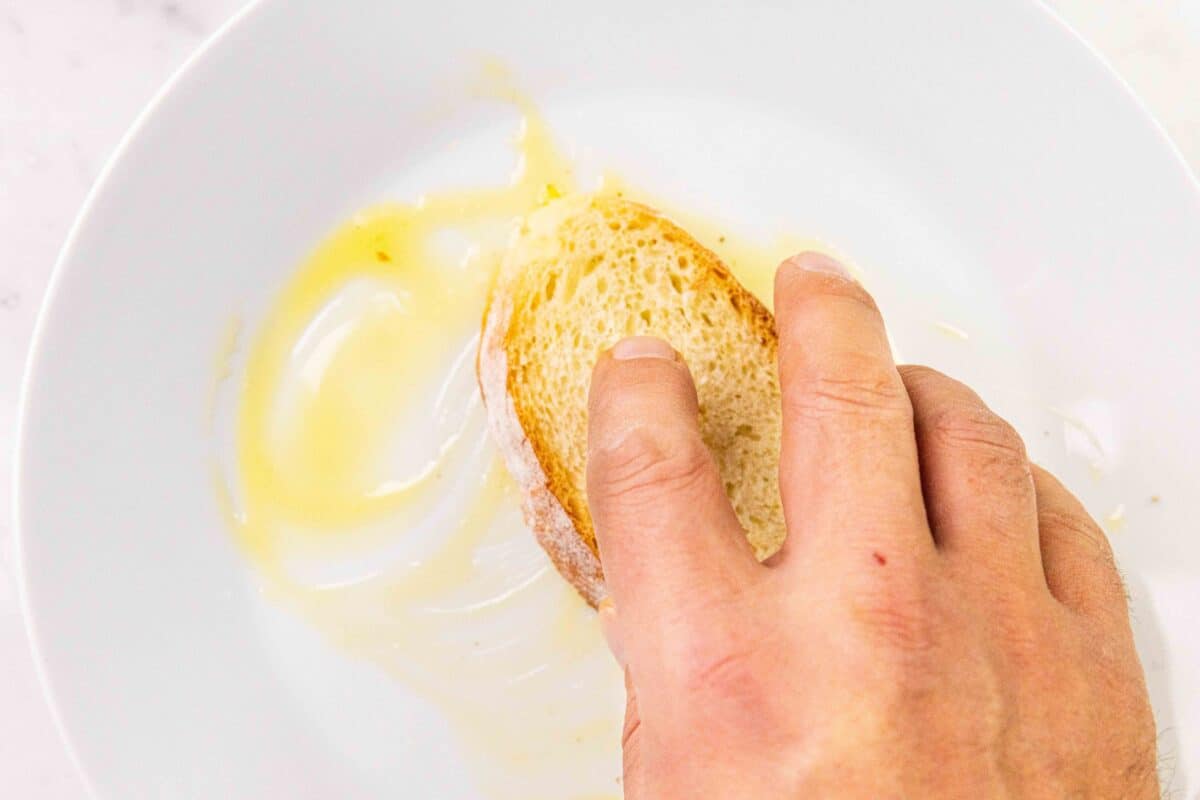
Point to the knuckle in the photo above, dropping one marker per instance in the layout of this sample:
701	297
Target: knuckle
710	653
1079	532
714	663
976	428
647	462
1082	555
1023	638
857	390
897	615
722	673
898	626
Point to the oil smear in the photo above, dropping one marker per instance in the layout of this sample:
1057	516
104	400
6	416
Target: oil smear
371	503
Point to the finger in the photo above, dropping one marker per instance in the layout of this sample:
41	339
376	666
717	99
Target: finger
848	466
977	482
667	533
1076	555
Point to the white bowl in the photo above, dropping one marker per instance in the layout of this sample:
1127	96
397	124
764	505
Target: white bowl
978	161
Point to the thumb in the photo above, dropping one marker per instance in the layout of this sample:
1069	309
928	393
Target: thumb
665	528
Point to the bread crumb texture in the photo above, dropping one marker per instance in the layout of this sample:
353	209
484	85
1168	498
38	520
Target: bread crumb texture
581	274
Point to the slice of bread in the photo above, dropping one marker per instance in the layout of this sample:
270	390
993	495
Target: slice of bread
582	273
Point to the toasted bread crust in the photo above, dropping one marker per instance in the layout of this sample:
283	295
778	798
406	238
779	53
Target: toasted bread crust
554	510
544	512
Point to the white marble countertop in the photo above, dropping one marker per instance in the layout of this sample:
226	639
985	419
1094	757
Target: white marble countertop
73	75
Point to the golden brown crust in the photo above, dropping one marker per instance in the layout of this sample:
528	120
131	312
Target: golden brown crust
543	512
551	499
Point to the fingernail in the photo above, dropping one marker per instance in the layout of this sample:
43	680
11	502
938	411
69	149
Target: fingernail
642	347
608	626
813	261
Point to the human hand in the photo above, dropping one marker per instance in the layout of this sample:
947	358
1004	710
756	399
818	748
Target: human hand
944	620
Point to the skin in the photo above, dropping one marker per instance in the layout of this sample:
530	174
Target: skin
944	620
